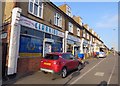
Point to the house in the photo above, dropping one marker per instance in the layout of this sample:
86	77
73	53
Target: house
73	31
32	29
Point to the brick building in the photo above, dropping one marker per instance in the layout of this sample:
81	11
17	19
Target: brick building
32	29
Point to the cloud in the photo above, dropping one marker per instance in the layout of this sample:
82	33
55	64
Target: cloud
108	22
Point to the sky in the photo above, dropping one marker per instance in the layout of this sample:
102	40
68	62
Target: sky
102	17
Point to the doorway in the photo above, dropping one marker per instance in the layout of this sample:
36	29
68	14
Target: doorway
48	47
4	58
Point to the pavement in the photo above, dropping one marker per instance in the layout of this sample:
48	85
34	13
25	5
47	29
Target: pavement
102	70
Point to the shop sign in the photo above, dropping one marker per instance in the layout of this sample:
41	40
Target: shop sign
77	43
74	38
85	41
41	27
70	42
48	40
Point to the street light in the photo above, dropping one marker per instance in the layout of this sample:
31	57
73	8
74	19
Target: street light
114	44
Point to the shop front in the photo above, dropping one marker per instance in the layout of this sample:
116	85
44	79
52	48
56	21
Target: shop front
73	45
85	48
36	40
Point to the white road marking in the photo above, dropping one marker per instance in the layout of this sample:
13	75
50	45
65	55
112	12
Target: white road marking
86	72
99	74
108	82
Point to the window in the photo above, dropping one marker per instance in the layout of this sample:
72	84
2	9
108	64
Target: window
51	57
36	8
93	40
70	27
87	36
32	32
66	56
84	33
78	31
58	19
68	11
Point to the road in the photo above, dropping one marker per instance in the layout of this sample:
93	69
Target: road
98	70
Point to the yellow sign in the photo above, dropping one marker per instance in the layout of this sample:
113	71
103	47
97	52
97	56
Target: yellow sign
47	63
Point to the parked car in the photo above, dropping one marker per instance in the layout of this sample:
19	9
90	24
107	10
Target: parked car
59	63
102	54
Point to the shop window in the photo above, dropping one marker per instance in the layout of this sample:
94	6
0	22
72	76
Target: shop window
69	48
36	8
56	47
26	30
30	46
57	39
39	34
58	19
70	27
32	32
47	35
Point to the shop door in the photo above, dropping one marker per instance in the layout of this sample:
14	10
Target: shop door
4	56
47	48
76	51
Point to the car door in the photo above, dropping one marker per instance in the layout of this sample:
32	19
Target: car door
74	62
68	61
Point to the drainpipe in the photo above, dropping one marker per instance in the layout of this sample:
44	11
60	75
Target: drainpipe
66	35
14	41
81	46
63	43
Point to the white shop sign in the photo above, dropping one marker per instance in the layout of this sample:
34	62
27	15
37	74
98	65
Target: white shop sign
74	38
41	27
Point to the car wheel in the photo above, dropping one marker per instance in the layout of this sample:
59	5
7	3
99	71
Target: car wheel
79	66
64	73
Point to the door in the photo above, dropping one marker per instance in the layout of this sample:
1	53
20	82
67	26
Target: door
4	56
47	48
74	61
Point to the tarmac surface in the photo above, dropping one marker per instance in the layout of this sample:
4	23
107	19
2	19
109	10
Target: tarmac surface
102	70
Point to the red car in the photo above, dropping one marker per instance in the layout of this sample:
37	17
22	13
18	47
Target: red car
59	63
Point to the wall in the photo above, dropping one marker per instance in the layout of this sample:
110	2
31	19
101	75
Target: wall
48	14
31	64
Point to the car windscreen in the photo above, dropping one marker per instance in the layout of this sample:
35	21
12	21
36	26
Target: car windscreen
51	57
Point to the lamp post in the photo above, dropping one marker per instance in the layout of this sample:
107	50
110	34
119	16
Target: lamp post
114	44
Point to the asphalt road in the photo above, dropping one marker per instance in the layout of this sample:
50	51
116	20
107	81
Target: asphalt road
98	70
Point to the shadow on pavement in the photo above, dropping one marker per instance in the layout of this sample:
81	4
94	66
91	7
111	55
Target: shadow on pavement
74	74
102	83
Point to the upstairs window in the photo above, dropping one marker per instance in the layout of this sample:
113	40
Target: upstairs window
87	36
36	8
58	19
84	33
78	31
93	40
68	11
70	27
